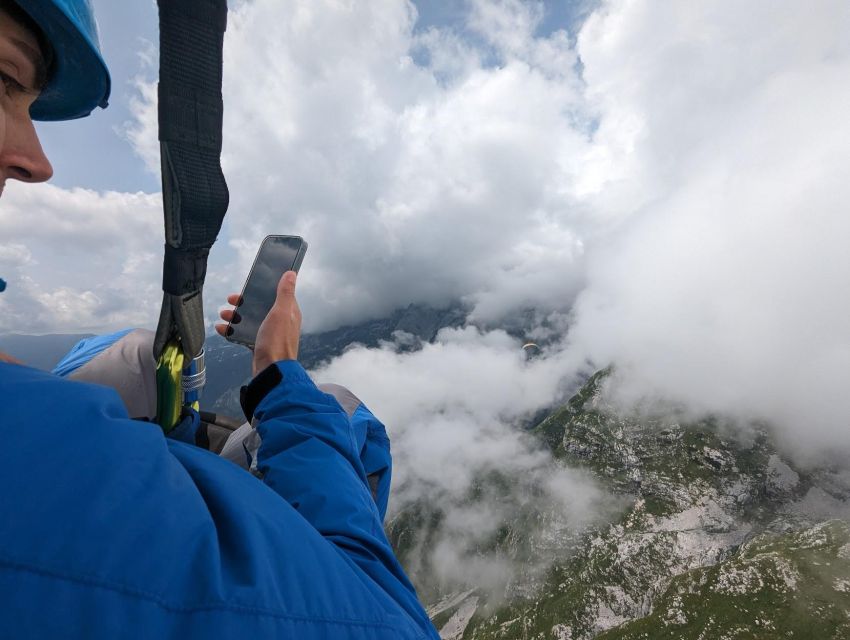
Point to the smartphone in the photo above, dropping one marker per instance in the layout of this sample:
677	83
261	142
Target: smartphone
277	255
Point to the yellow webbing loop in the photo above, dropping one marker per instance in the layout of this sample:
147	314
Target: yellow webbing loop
169	386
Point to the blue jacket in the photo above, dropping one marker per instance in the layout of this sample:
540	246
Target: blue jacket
109	530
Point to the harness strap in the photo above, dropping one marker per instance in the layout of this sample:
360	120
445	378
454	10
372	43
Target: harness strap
194	191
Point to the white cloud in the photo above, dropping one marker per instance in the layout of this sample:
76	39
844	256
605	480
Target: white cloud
508	25
727	290
143	131
412	183
80	260
454	412
695	158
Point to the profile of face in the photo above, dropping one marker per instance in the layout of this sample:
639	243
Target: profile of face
22	71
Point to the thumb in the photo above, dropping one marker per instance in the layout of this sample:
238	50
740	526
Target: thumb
286	285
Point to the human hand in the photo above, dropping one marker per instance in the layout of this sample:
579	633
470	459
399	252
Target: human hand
5	357
280	332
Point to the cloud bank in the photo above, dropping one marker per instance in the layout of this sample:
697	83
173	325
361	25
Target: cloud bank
456	410
726	289
426	181
673	176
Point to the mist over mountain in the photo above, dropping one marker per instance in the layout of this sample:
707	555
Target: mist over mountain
701	532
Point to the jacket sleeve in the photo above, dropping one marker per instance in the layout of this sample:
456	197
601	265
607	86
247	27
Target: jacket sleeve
309	456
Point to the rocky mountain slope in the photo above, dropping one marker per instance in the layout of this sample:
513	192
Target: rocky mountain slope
718	535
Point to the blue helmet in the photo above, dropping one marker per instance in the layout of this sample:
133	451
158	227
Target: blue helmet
78	80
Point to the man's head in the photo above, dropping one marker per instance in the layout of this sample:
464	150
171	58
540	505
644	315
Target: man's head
23	73
51	69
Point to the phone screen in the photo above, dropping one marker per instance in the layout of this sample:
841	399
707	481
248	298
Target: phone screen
277	255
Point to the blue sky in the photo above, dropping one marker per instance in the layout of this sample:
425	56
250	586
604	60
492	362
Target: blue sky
109	160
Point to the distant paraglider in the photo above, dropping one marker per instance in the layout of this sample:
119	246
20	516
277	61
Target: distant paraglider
531	350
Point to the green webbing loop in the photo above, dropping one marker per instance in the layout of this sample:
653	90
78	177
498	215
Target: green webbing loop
169	388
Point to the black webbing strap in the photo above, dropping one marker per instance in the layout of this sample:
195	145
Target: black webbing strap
194	192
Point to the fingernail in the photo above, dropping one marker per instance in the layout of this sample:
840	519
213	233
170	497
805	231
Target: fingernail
236	318
229	331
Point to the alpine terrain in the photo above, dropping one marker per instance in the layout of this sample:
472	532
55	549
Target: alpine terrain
718	536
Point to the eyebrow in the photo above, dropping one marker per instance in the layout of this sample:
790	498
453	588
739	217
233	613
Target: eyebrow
36	59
